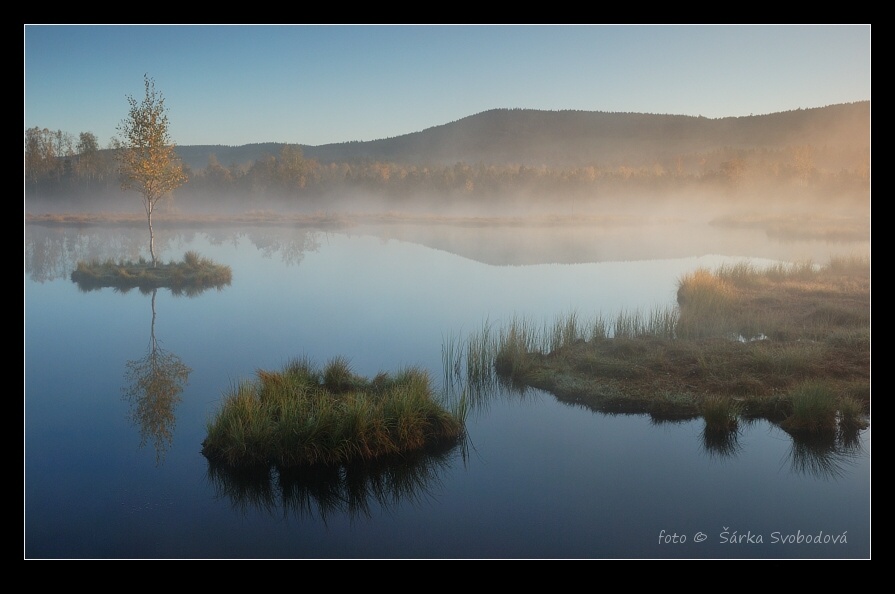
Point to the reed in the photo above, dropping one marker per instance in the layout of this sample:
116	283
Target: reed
599	328
452	361
740	273
514	345
480	352
565	330
707	305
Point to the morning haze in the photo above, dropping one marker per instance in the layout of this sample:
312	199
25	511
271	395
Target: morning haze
648	336
503	163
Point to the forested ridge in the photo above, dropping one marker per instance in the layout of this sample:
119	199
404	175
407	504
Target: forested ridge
495	157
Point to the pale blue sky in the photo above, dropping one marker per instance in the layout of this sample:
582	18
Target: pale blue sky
314	85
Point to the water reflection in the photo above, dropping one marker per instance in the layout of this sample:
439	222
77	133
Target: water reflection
533	454
321	491
153	387
290	244
477	397
721	444
825	455
52	252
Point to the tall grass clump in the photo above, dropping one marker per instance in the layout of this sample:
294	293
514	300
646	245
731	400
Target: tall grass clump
803	270
707	305
302	415
741	274
337	375
599	328
243	431
626	325
658	323
480	352
721	414
814	406
514	344
566	330
663	322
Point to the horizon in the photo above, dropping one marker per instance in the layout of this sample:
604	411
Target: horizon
522	109
314	85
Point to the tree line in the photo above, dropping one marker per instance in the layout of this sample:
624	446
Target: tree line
59	164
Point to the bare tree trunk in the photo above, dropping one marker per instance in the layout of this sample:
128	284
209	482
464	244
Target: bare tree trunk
151	238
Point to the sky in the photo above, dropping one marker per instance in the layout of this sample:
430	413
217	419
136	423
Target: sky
320	84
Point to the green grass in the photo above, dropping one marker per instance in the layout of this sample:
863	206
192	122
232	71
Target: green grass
721	414
817	408
191	276
302	415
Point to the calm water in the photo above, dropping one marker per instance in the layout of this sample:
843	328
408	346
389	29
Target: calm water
113	473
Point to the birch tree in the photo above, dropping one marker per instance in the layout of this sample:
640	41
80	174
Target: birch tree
147	161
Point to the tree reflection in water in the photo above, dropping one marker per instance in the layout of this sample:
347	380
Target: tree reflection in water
153	388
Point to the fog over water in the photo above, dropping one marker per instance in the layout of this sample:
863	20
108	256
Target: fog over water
108	476
391	278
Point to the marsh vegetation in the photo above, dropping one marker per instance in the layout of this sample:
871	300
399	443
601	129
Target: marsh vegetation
388	297
192	275
787	343
303	415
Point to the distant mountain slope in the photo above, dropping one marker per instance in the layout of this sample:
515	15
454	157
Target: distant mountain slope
568	138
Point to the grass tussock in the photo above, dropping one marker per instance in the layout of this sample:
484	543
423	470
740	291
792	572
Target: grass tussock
816	407
721	414
192	275
302	415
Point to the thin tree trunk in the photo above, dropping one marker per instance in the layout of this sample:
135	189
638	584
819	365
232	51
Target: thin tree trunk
151	237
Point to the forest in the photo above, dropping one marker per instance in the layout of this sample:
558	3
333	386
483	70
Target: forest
500	159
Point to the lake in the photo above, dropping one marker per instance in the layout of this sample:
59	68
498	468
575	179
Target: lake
111	472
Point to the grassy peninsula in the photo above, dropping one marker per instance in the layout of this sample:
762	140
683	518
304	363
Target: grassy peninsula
789	343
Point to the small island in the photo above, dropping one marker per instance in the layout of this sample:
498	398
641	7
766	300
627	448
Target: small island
192	275
304	416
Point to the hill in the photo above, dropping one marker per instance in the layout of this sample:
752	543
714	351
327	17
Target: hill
572	138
